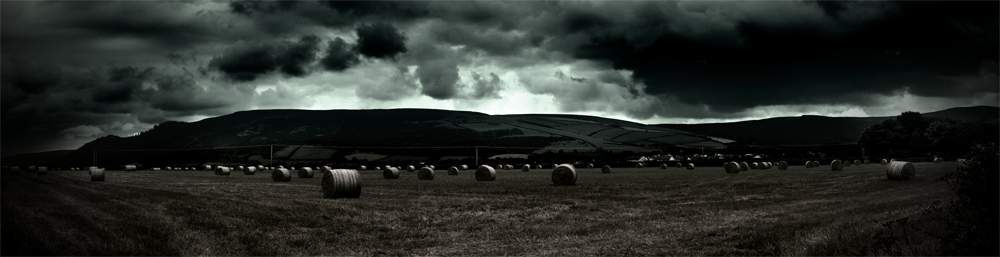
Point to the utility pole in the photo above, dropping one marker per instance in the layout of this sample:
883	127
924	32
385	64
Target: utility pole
477	156
271	161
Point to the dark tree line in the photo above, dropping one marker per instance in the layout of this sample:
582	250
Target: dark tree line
910	134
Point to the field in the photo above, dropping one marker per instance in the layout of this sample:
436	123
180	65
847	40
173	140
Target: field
631	211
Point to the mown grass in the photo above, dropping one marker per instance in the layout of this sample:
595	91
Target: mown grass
631	211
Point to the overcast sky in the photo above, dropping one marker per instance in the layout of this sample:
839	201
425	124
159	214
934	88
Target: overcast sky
76	71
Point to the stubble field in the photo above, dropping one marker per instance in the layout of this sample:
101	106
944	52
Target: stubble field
631	211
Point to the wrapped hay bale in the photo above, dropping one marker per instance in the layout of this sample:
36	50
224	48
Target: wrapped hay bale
453	171
281	175
390	173
690	166
744	166
663	166
605	169
130	167
96	175
341	183
564	175
425	173
486	173
250	170
782	165
900	171
732	167
223	171
410	168
525	168
837	165
305	172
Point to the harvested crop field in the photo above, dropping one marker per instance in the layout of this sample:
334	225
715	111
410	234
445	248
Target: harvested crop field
631	211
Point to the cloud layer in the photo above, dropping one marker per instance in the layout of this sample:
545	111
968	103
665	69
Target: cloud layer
72	70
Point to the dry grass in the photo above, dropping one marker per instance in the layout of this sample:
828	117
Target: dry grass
630	212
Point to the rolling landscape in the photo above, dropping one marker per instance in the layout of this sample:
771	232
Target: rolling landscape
499	128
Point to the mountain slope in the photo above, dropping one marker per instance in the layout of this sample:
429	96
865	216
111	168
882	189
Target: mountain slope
309	135
818	130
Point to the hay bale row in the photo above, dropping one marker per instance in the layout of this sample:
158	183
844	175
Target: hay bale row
837	165
900	171
425	173
390	173
341	183
782	165
486	173
564	175
281	175
732	167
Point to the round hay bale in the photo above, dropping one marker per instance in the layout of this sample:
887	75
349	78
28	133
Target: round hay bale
486	173
847	163
564	175
526	168
362	167
42	170
678	164
663	166
425	173
754	165
130	167
605	169
732	167
867	161
690	166
260	167
410	168
463	167
837	165
155	169
938	159
281	175
555	166
206	167
453	171
250	170
305	172
857	162
390	173
341	183
640	165
900	171
509	167
590	165
782	165
538	166
744	166
431	166
884	162
223	171
96	175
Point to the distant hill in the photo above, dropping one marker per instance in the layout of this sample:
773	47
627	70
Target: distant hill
817	130
411	134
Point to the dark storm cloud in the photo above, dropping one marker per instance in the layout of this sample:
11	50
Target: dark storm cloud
380	40
486	86
339	56
248	61
438	78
